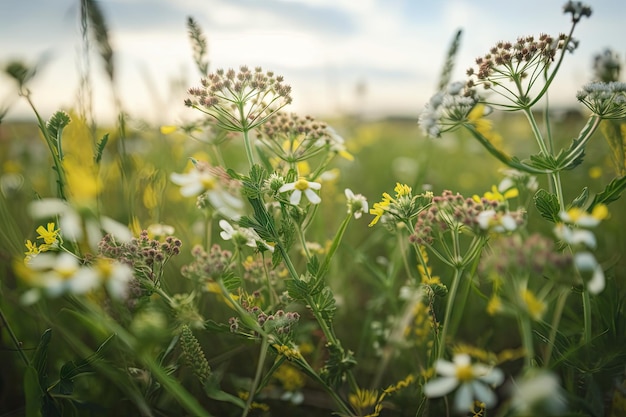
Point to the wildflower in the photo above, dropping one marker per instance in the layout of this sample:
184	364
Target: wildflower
357	204
577	9
115	276
75	225
240	101
575	236
538	392
380	208
49	234
292	381
299	187
607	100
204	180
31	249
158	230
57	274
447	110
532	304
586	262
499	193
473	382
242	236
606	66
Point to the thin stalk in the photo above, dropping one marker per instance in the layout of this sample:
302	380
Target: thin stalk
257	376
458	272
527	339
248	146
587	317
556	319
16	342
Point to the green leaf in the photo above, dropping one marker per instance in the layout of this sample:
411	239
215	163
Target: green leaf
611	193
547	162
313	266
231	282
32	392
213	390
40	359
581	200
548	205
100	148
55	126
298	289
325	303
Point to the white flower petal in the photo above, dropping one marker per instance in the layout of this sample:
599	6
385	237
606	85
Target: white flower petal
313	198
295	197
444	367
47	207
463	400
120	231
484	394
597	282
494	377
315	185
287	187
440	386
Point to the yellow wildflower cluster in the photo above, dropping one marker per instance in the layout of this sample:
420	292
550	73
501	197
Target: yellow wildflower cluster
289	377
288	352
365	399
50	237
378	209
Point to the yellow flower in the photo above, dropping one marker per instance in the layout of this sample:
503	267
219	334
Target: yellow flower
48	234
31	249
167	129
534	306
482	125
496	195
379	208
494	305
289	377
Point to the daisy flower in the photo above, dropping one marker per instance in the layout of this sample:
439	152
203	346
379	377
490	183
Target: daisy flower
474	382
299	187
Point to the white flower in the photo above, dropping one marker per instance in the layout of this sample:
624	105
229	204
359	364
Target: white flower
575	237
299	187
473	382
357	204
586	262
74	225
496	222
160	230
115	276
538	392
245	235
201	181
58	274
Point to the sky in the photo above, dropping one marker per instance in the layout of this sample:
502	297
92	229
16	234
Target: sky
325	49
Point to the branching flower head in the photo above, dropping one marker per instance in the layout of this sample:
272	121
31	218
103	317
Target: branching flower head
512	69
606	66
447	110
240	100
474	382
577	9
607	100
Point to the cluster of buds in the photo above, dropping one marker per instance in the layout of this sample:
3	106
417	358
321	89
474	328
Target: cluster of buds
606	66
512	255
451	211
207	266
280	322
293	138
577	9
521	62
446	110
144	254
607	100
240	100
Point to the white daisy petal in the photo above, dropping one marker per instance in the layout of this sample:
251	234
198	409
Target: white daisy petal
312	196
463	399
295	197
483	393
440	386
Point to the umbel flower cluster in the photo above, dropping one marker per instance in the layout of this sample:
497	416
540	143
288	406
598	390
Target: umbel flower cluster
240	100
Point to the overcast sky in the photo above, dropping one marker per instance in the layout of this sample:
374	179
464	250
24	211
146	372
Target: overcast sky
323	48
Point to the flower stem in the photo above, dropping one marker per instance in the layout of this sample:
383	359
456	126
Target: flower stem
257	376
16	342
527	339
586	316
458	272
558	313
248	146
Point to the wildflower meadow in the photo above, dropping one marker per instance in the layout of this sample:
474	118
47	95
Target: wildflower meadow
258	262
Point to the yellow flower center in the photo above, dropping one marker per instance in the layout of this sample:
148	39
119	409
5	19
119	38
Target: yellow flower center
105	268
464	373
66	272
208	182
301	184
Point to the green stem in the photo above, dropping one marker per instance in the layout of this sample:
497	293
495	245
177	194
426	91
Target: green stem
16	342
556	319
257	376
458	272
527	339
587	317
248	146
